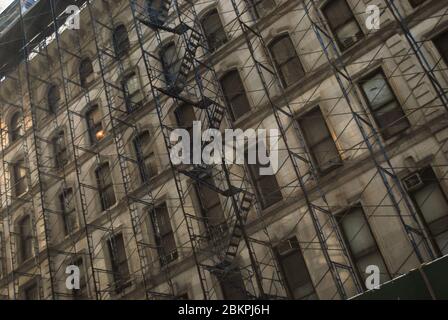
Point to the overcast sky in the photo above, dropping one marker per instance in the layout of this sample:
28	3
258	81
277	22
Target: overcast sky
4	4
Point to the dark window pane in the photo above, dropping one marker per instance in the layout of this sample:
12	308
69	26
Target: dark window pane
286	60
85	72
433	207
416	3
295	270
132	93
385	108
145	156
166	244
213	30
234	94
26	238
60	150
361	243
343	23
53	98
158	10
119	263
319	141
171	63
441	42
15	127
19	177
121	41
263	7
105	186
232	285
67	203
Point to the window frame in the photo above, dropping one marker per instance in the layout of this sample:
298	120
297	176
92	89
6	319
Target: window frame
66	215
60	150
216	45
121	41
92	127
339	216
103	188
278	66
85	71
16	129
146	174
372	113
243	93
121	281
165	258
25	239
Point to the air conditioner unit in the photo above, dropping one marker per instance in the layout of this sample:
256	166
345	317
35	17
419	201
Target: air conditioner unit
350	41
413	182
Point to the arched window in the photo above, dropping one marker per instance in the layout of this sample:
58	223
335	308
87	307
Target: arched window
15	127
105	186
170	63
53	98
158	10
286	61
26	238
94	124
85	72
120	40
213	30
19	177
234	94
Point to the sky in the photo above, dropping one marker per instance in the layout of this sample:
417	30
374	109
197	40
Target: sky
4	4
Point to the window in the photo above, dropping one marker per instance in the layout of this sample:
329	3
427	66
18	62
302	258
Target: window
234	94
232	285
294	270
262	7
25	238
15	127
213	30
105	186
441	43
158	10
68	208
81	293
145	157
170	63
30	291
432	206
342	23
210	207
60	150
166	244
286	61
319	141
132	93
85	72
119	263
2	256
360	242
19	177
53	98
266	186
185	116
120	40
94	124
383	104
416	3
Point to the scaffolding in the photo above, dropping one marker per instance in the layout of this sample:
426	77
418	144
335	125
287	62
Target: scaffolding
241	241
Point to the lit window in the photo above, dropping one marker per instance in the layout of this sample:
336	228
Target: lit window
213	30
105	186
342	23
286	60
319	141
386	110
94	124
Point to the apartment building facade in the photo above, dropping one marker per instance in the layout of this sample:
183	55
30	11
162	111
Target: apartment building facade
87	179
